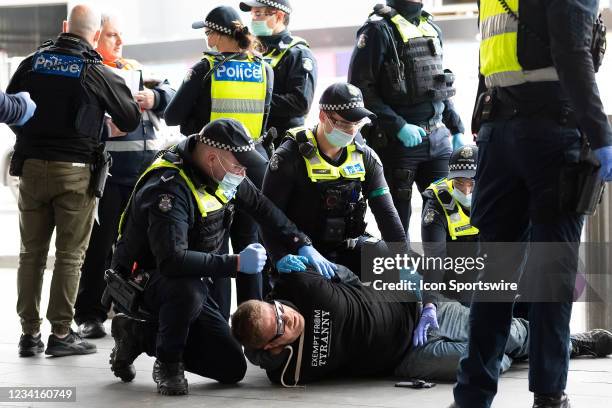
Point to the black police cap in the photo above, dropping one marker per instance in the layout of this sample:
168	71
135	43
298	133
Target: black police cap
232	136
220	19
282	5
462	162
346	100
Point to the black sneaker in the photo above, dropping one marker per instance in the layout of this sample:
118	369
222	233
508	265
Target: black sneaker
70	345
92	329
548	401
30	345
129	344
596	343
170	378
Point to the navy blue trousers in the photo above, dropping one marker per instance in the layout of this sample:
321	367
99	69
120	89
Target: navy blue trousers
516	201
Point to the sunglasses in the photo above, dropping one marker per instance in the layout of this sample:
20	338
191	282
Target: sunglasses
279	311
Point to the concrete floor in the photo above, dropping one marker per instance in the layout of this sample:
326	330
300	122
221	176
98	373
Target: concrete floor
589	382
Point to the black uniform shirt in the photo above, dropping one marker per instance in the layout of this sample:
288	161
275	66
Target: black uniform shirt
295	80
190	107
163	212
350	329
288	186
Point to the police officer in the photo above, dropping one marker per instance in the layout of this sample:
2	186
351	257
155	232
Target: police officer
173	228
446	230
323	178
240	87
295	68
53	155
131	153
397	64
16	109
539	73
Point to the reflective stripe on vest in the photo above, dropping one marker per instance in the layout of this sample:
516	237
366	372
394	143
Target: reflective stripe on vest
499	62
409	31
274	57
206	201
134	145
459	224
320	170
238	91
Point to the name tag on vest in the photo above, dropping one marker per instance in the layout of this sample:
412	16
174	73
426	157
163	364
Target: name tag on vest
354	169
240	71
56	64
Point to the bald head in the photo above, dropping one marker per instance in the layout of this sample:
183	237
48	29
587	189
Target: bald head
84	21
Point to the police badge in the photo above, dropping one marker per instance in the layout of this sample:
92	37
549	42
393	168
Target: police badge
429	216
274	163
165	203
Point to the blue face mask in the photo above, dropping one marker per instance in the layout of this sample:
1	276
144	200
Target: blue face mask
261	29
464	200
338	138
230	182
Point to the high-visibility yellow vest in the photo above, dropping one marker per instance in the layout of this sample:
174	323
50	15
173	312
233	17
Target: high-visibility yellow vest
459	224
320	170
274	56
499	62
207	203
409	31
238	91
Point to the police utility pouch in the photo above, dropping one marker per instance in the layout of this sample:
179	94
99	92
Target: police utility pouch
100	170
16	164
483	110
126	294
580	187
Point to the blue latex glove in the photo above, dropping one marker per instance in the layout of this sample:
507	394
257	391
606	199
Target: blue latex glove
322	265
292	263
604	155
428	319
411	135
252	259
30	108
458	141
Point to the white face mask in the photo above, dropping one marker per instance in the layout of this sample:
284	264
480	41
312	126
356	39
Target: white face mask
464	200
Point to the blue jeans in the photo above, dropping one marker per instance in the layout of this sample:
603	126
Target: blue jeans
516	200
439	358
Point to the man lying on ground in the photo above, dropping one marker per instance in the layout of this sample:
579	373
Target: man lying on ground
312	328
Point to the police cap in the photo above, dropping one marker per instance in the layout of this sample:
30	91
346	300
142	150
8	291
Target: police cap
220	19
232	136
346	100
462	162
282	5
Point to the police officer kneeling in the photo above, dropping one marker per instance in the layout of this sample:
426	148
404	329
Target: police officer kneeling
324	178
446	229
173	229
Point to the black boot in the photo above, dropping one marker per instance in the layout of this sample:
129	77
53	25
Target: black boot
92	329
596	343
170	378
551	401
129	343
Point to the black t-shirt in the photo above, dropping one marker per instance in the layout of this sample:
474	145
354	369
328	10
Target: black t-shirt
350	329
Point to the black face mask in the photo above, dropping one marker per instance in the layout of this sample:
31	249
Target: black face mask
408	9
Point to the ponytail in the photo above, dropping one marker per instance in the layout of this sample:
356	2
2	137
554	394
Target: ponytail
246	41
